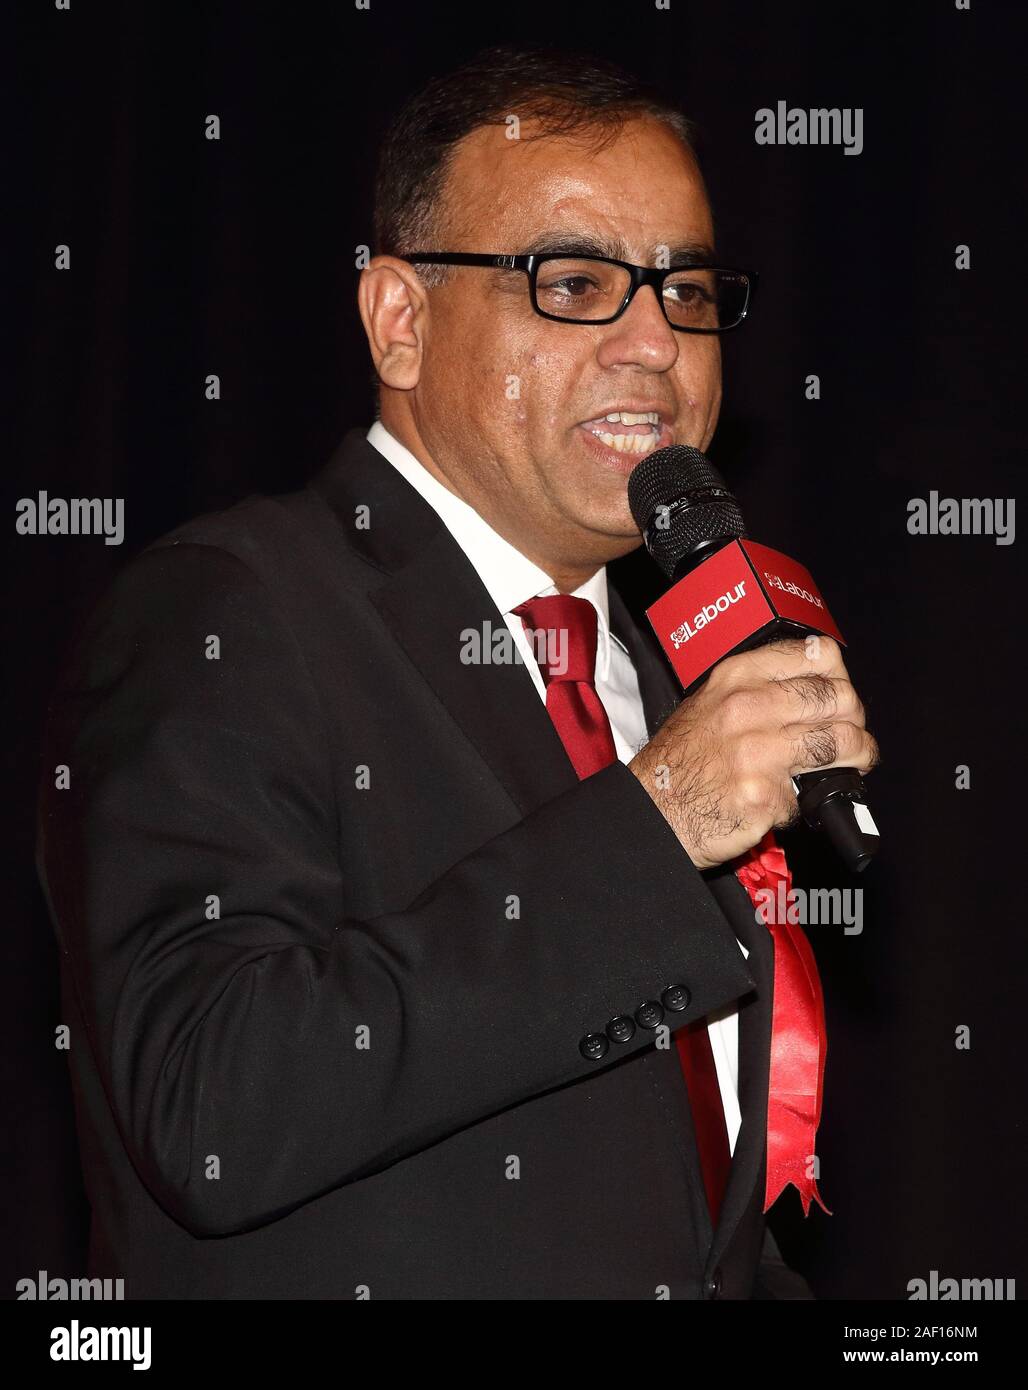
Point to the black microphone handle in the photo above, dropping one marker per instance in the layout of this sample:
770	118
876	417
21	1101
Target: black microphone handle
828	799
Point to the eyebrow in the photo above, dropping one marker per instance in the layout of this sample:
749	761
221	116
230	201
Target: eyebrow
583	244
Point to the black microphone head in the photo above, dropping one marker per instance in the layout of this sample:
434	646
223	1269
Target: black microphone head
683	507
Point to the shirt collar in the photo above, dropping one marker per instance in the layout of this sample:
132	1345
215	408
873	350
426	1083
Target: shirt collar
510	577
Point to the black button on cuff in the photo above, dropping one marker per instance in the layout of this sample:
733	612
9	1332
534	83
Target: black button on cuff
621	1029
594	1046
649	1015
677	998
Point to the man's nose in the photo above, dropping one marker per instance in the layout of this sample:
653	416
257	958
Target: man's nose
642	336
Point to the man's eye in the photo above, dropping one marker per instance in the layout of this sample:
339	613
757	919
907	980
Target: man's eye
572	285
687	292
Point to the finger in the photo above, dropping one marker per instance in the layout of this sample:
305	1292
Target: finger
796	655
836	744
814	699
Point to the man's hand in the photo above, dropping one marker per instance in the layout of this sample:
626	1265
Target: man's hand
720	767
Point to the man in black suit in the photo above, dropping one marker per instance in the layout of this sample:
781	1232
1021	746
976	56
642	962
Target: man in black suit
370	985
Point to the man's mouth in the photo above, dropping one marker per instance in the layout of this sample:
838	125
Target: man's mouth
631	433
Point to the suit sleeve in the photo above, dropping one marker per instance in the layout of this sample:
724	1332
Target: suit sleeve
258	1046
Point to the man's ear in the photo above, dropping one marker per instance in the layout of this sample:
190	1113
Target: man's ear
394	310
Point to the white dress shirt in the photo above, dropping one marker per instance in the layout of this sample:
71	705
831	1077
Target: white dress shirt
511	579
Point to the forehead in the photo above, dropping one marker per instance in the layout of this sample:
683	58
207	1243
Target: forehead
637	191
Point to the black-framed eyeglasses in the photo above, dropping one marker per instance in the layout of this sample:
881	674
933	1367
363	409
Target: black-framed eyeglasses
596	289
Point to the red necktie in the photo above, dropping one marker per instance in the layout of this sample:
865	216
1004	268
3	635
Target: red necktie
563	632
798	1037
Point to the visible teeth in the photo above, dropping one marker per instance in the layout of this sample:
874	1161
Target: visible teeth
628	443
626	417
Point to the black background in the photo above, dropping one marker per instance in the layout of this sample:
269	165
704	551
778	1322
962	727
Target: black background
237	257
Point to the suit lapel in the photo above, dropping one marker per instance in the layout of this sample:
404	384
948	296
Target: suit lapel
657	685
429	596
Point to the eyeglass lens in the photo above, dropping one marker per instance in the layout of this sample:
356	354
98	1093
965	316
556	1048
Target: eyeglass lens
583	290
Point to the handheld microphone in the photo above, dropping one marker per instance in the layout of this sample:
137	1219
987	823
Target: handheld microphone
729	595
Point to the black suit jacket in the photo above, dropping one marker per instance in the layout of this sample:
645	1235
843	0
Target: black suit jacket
335	913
